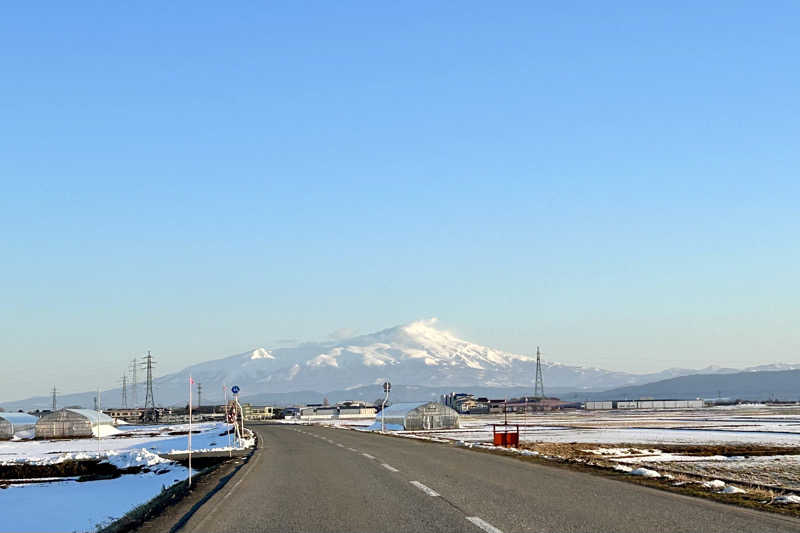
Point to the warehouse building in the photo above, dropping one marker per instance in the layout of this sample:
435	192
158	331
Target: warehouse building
644	404
73	423
18	425
417	416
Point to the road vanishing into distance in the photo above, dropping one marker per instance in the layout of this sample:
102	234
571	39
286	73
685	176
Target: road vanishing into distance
311	478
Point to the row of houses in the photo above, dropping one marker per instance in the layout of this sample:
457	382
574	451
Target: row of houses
206	413
353	410
469	404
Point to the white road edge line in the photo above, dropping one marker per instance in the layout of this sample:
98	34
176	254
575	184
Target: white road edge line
390	468
484	525
427	490
368	456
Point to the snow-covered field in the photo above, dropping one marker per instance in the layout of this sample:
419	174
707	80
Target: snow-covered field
82	506
748	424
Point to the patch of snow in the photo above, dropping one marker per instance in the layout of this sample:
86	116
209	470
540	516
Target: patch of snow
790	498
127	459
730	489
261	353
715	484
645	472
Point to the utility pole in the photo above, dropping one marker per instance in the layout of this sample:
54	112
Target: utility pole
124	391
134	365
538	391
54	398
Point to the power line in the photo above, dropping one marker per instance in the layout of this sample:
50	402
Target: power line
134	364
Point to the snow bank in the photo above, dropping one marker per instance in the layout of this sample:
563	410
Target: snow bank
715	484
128	459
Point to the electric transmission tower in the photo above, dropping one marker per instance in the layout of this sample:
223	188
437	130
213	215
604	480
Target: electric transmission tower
199	394
134	365
54	397
150	414
538	391
124	391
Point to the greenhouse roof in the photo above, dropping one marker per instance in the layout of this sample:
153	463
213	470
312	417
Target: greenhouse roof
400	409
19	418
92	415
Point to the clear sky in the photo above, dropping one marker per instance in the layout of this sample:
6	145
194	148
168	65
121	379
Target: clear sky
618	182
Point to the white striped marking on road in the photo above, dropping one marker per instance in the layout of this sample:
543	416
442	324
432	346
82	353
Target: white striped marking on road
484	525
368	456
353	450
340	445
390	468
427	490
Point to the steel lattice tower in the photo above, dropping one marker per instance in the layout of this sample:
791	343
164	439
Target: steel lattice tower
149	399
54	397
124	391
538	391
199	395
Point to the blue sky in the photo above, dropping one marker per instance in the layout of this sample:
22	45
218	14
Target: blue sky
616	182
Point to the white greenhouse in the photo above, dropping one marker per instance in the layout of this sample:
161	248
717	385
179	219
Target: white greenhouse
73	423
417	416
18	425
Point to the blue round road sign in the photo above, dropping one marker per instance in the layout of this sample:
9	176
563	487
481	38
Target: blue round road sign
235	389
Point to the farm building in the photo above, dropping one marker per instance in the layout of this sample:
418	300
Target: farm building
416	416
73	423
16	425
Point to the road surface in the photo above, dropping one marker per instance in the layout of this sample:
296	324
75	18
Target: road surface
311	478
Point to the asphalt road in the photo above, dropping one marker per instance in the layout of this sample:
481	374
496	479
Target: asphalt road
309	478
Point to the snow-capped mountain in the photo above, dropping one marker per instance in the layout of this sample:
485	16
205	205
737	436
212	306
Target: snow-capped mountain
417	354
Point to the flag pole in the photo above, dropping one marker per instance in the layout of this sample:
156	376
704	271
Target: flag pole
190	430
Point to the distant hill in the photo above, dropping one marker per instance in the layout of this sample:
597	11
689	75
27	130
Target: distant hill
749	385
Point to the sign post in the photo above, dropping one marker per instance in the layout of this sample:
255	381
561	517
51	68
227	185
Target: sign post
386	388
237	411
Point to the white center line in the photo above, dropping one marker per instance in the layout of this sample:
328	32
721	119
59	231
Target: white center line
427	490
484	525
390	468
368	456
340	445
353	450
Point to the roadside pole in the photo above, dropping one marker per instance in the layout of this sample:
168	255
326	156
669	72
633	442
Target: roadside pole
98	423
191	381
227	424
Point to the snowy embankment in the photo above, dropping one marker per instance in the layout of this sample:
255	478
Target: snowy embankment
83	506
